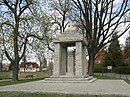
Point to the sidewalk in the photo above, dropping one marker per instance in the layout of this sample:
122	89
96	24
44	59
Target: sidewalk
99	87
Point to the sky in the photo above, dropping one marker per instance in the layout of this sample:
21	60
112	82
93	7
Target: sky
121	39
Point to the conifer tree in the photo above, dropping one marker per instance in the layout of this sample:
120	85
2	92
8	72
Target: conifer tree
114	55
127	51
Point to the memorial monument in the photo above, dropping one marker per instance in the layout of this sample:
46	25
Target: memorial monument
70	66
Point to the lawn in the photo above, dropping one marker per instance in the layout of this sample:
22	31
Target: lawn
110	78
37	76
10	82
6	75
22	94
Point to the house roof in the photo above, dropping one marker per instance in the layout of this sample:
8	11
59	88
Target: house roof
34	64
100	56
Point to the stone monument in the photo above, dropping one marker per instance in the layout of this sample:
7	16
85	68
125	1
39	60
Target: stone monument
70	66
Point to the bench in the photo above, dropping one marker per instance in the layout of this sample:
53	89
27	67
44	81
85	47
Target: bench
29	76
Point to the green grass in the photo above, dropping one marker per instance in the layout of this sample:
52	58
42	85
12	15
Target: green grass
4	75
105	77
21	94
128	81
35	74
111	78
10	82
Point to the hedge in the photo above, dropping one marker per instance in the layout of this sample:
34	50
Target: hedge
98	68
122	70
101	70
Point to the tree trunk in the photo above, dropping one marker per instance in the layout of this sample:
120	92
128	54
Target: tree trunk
24	67
91	64
15	71
1	57
40	66
24	60
16	55
0	67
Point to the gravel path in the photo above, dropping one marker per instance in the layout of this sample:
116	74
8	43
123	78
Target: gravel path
99	87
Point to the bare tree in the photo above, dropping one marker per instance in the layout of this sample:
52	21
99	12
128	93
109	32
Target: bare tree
39	47
44	24
61	10
12	17
100	19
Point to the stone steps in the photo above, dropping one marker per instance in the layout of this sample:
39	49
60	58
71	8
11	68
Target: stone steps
70	79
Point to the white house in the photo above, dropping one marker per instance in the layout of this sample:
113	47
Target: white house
28	67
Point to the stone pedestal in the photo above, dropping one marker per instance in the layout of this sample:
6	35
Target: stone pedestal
79	59
57	59
84	61
71	64
63	60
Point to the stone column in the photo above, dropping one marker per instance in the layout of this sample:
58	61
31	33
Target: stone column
78	59
57	59
64	60
84	61
70	63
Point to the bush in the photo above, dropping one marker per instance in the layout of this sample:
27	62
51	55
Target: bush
122	70
101	70
98	68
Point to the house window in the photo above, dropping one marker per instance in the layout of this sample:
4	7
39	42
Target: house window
99	62
28	67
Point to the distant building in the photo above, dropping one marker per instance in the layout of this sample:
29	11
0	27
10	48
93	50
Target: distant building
28	67
100	57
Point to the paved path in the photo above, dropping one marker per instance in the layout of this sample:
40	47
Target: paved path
110	87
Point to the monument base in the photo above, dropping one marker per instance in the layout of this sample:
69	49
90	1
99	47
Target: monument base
68	79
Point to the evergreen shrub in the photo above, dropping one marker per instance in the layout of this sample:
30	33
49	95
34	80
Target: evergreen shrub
122	70
99	68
